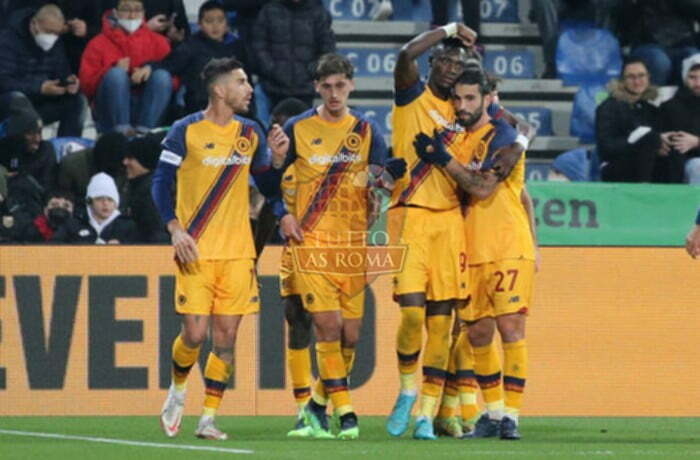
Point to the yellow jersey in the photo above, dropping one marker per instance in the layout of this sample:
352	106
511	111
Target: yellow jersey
331	162
497	227
416	109
213	165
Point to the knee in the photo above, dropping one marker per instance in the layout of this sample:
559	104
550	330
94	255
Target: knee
350	338
412	318
479	336
692	171
116	75
161	78
328	329
194	338
511	331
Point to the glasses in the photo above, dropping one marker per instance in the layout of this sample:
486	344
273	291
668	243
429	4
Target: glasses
635	76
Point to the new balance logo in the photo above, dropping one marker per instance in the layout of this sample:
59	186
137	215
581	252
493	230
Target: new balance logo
317	141
209	146
514	299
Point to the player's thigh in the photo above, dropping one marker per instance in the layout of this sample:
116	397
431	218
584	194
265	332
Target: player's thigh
194	288
447	260
318	293
236	288
287	282
511	285
407	228
480	304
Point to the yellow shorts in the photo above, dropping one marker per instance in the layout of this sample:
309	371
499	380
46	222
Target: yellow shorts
321	293
287	283
499	288
436	261
217	287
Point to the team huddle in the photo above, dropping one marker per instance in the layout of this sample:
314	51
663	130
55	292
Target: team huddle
454	178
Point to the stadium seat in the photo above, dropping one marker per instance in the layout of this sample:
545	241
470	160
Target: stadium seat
500	11
510	63
539	117
65	145
578	165
583	113
587	55
378	62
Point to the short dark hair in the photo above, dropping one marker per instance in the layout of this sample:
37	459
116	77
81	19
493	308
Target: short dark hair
290	107
694	67
209	5
331	64
473	76
452	43
65	194
218	67
633	60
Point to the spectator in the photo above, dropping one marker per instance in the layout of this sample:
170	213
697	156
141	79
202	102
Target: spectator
245	14
166	17
76	168
627	127
262	219
577	165
288	38
107	224
117	74
382	10
692	241
471	13
83	21
680	122
140	160
188	60
56	224
661	33
24	152
33	63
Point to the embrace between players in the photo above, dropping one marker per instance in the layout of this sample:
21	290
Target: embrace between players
457	204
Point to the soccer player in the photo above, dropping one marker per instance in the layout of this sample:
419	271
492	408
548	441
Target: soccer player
692	241
332	149
211	153
425	216
501	255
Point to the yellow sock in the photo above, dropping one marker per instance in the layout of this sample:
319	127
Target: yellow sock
348	359
435	361
216	374
514	375
450	394
409	340
299	364
466	380
332	372
184	358
487	367
448	406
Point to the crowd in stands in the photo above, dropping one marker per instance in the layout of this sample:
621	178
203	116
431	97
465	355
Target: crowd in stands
133	66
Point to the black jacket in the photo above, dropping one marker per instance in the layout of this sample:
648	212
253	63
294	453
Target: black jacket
122	229
71	231
188	60
288	39
618	116
682	113
23	65
41	164
669	23
140	207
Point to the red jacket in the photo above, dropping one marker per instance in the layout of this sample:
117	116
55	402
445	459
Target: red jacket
113	44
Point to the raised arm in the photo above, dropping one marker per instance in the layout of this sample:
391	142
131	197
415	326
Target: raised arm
406	70
529	206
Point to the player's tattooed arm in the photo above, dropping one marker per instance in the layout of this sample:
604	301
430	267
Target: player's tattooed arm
505	159
479	184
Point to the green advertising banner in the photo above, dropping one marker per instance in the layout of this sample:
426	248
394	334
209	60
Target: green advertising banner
607	214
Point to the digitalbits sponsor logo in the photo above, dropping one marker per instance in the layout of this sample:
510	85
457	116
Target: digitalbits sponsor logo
337	158
228	161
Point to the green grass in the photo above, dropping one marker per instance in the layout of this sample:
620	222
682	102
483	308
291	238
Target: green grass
543	437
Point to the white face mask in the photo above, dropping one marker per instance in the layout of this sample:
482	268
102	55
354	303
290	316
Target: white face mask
130	25
45	41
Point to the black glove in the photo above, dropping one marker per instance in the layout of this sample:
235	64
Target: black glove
396	167
431	150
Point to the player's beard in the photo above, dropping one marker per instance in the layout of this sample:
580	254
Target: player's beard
472	119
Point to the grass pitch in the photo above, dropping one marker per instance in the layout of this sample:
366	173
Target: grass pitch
106	438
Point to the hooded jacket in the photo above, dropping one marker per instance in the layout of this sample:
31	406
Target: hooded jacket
618	116
114	43
23	65
682	111
288	39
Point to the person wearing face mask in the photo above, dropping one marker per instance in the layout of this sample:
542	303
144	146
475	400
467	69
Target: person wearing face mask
117	71
33	64
107	224
56	224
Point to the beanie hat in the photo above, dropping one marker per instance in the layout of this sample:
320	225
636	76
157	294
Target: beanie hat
102	184
688	63
146	149
22	121
574	164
